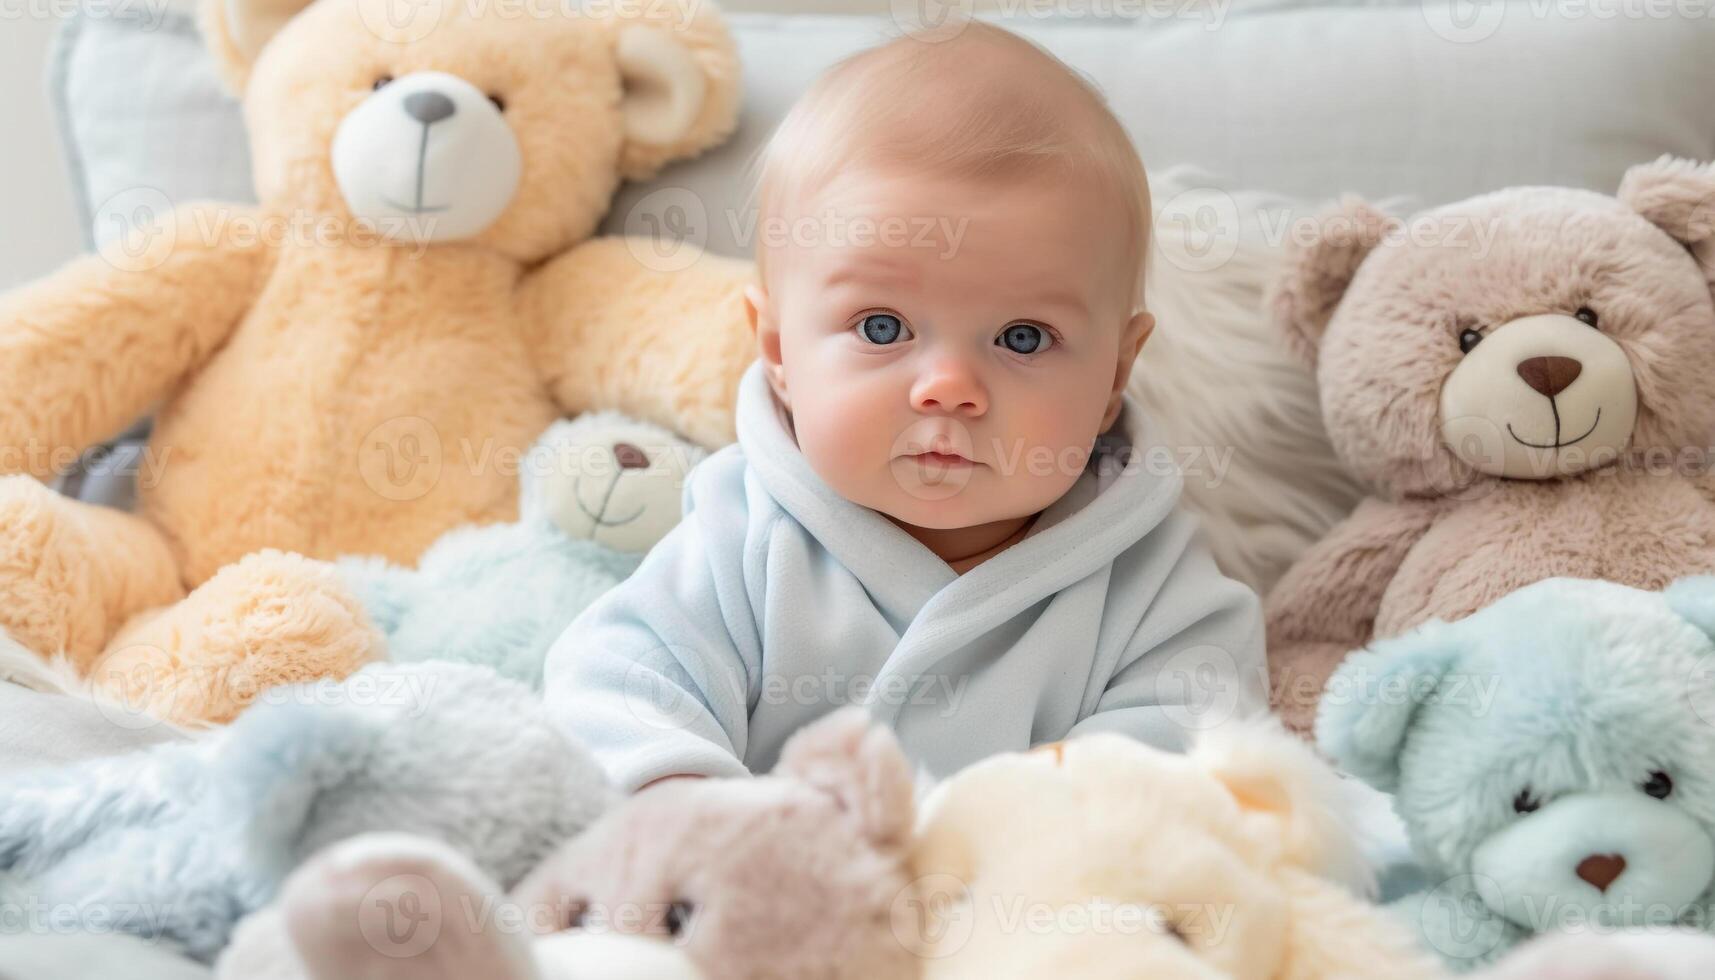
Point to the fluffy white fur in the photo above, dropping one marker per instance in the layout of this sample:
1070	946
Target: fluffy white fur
1217	379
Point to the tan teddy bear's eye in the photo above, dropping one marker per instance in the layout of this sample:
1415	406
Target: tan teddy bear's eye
499	101
382	82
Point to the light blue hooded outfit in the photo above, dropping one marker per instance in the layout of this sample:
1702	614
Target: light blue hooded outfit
777	601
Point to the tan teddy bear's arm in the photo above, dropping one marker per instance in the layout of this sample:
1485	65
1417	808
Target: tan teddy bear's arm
614	330
87	350
1324	607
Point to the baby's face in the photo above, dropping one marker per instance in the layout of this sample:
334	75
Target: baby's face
948	350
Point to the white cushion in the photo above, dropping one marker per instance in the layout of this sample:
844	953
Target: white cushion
1305	99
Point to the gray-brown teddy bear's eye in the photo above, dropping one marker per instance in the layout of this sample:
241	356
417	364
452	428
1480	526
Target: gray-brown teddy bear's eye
678	918
1659	785
575	914
382	82
1526	802
1469	339
1586	314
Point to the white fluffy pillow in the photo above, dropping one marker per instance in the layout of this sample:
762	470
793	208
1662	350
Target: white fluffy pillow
1239	411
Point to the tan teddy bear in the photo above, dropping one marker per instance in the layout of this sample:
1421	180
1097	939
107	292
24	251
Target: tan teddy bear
357	364
1102	857
1524	381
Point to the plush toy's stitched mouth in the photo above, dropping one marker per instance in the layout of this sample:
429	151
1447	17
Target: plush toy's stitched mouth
408	209
422	175
600	518
1557	444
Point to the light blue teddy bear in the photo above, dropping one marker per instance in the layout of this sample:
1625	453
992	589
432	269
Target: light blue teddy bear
596	493
179	842
1552	757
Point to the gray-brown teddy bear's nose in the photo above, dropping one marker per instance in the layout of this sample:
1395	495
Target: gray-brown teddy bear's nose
1600	870
428	108
1550	375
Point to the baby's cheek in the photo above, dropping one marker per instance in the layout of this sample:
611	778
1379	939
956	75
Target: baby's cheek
842	436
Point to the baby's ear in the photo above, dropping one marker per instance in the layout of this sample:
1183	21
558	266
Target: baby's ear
680	70
859	764
1371	702
236	31
1303	299
1286	789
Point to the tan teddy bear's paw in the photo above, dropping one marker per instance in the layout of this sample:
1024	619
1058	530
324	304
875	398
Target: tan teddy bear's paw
272	618
71	573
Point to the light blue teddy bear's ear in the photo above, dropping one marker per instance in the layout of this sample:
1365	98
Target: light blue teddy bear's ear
1693	598
1371	702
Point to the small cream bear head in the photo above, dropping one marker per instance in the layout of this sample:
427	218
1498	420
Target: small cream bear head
506	124
1532	333
1104	857
610	478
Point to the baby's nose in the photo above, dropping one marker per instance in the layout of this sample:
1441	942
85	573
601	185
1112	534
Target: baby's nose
954	390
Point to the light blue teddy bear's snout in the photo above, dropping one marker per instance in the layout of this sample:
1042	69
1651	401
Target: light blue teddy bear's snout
1604	860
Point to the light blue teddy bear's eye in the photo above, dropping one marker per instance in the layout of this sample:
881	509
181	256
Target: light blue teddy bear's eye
881	328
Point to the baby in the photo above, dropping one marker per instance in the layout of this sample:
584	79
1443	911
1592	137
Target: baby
938	506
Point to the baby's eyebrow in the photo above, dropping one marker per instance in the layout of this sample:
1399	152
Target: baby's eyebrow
872	270
1063	301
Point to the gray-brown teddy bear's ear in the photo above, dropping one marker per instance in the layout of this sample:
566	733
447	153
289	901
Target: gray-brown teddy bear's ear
1675	195
236	31
859	764
1302	301
680	68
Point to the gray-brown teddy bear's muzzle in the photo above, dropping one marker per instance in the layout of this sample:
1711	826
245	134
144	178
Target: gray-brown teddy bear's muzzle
1539	397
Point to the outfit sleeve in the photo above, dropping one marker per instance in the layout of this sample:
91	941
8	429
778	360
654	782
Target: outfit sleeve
655	677
1195	658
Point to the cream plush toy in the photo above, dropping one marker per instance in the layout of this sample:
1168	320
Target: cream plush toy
1102	857
598	492
347	367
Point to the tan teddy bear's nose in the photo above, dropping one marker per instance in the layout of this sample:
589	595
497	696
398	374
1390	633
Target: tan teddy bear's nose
1601	869
1550	375
428	108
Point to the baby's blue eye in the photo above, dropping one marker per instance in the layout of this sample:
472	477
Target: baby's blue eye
883	329
1023	338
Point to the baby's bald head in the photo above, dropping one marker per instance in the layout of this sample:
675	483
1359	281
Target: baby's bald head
984	106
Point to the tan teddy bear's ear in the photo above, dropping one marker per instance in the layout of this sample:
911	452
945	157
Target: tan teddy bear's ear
680	69
1296	803
860	764
1302	301
1675	195
236	31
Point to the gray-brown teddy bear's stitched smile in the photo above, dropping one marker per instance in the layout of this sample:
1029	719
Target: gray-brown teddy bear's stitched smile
1557	444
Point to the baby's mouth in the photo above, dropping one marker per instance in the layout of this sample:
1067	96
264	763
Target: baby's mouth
933	458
